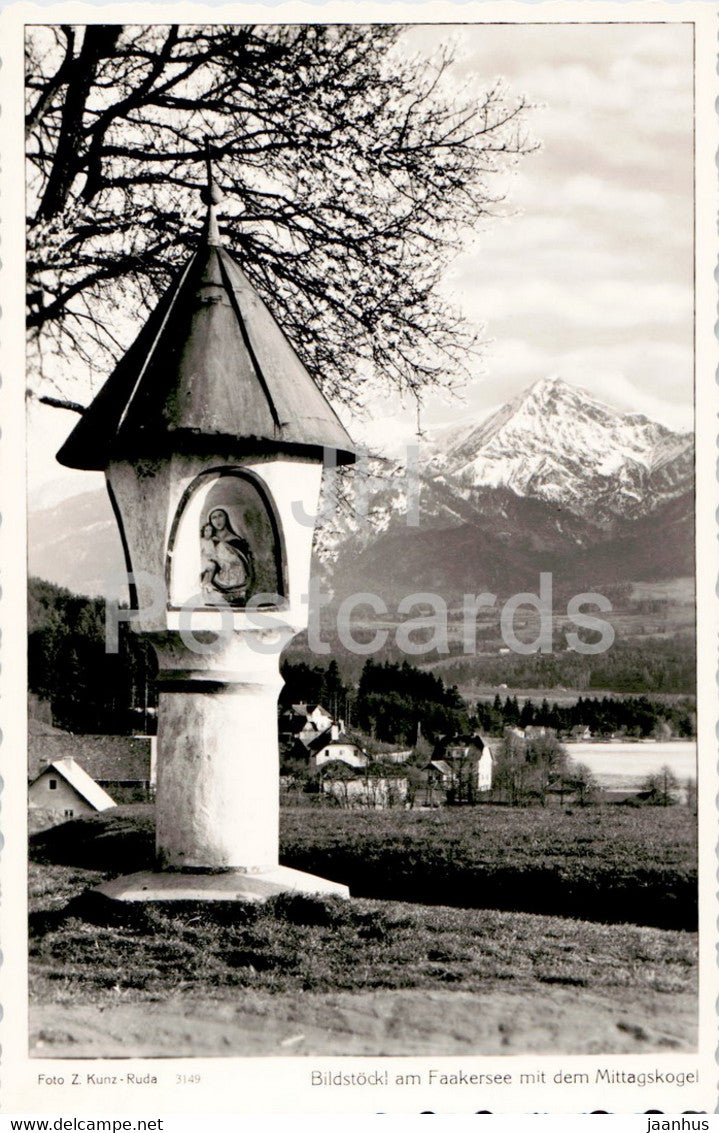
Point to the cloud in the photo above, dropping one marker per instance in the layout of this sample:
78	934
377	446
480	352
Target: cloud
599	306
620	390
594	278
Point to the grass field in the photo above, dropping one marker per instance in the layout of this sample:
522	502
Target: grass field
83	948
361	976
603	863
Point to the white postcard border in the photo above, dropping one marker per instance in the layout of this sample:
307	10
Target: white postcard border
283	1086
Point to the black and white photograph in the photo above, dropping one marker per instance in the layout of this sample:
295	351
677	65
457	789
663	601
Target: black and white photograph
360	474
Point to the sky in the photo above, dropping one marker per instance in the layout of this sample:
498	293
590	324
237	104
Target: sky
591	278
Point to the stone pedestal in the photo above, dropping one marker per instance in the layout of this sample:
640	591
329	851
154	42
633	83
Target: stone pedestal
230	885
217	803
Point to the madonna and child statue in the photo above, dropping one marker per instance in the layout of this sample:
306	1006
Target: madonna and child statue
227	565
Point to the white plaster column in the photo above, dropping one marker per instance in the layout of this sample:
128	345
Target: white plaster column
217	810
218	761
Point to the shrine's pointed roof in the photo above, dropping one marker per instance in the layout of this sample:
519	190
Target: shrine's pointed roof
211	369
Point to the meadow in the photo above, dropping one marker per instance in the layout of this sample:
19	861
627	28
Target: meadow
83	948
603	863
375	974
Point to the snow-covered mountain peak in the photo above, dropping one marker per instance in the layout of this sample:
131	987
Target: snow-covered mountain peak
550	387
560	443
554	470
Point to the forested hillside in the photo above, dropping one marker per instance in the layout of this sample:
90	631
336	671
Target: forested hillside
89	690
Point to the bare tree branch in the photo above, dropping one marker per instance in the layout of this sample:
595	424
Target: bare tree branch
58	403
351	175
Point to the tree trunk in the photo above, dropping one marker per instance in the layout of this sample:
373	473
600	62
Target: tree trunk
99	41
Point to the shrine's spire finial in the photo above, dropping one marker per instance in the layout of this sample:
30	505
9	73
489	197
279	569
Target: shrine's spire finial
212	196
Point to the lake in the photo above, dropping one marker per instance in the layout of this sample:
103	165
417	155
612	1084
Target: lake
625	766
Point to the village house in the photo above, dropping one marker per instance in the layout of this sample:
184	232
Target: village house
340	768
332	746
536	732
336	761
439	772
122	765
461	765
349	788
311	737
303	722
62	791
340	749
580	733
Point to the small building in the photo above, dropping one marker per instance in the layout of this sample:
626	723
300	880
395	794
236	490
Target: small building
303	722
469	753
580	733
122	765
341	782
537	732
62	791
461	765
332	745
439	772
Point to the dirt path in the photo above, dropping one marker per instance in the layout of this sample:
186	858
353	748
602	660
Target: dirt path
405	1022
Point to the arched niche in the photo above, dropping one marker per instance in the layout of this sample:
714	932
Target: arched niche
226	545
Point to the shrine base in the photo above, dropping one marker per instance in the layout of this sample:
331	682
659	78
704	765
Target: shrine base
228	885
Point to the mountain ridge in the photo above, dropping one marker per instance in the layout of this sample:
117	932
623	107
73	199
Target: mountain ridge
554	476
559	443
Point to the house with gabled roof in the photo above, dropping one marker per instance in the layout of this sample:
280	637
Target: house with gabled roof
580	733
62	791
123	765
303	722
334	745
440	772
462	765
352	786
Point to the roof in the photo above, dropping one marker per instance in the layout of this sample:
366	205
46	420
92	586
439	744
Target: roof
211	367
326	739
343	738
306	710
110	758
317	743
474	741
440	765
81	782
